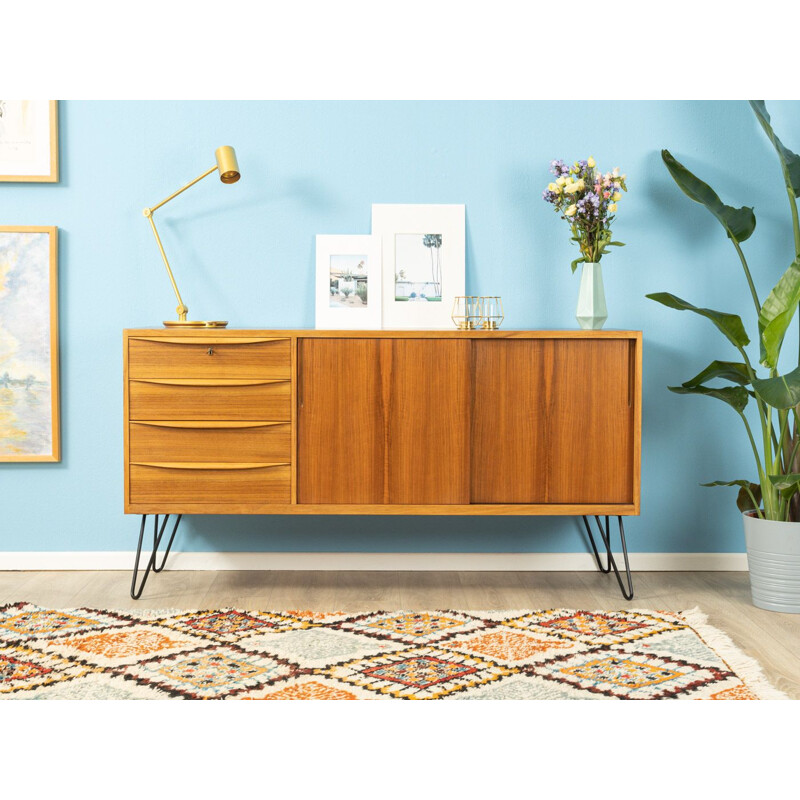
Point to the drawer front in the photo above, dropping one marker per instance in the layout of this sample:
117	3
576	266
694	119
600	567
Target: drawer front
213	400
229	358
209	441
182	484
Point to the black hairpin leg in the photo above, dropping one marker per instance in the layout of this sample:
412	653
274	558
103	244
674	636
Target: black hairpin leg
605	535
158	534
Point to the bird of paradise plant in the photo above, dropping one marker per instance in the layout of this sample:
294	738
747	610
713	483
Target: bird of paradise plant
776	443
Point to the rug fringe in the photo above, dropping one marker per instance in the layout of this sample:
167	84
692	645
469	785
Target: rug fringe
746	667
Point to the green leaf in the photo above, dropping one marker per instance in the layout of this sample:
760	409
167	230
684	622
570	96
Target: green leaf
782	391
787	485
728	370
739	223
575	263
616	244
734	396
730	324
777	312
744	501
789	161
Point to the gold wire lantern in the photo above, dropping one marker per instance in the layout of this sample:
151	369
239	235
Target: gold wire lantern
466	312
492	313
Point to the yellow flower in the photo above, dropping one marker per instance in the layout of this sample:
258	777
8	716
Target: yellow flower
552	187
561	181
612	209
616	197
578	186
570	212
591	162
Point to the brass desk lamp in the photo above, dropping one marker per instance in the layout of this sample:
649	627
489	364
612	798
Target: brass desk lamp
228	173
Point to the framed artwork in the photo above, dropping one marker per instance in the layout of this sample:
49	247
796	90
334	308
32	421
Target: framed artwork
423	263
348	282
29	141
29	417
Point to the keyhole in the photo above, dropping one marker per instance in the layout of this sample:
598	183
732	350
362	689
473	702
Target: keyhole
211	351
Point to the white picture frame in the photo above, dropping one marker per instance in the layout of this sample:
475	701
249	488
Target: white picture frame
348	284
424	257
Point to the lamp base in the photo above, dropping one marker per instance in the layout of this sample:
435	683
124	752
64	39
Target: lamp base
175	323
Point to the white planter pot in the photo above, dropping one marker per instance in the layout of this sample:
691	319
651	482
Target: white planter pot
773	557
592	312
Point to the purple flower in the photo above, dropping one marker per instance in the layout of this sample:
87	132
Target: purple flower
549	197
559	168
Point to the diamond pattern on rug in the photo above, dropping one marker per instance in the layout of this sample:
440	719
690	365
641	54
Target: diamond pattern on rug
115	647
424	673
213	673
319	647
228	653
23	668
413	627
25	621
631	675
597	627
512	647
230	625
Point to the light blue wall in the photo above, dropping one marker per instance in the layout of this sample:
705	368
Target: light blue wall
246	253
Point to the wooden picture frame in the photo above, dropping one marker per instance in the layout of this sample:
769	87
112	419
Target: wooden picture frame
29	141
424	263
29	374
348	283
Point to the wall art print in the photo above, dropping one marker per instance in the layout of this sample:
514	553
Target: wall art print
29	141
348	293
423	262
29	414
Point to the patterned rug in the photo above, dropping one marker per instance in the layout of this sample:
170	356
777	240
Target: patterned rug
559	654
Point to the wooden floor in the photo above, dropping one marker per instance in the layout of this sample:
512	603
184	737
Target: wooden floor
773	639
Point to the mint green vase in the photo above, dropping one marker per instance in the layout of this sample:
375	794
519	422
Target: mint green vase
592	312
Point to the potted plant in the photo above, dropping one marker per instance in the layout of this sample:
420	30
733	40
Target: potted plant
771	504
587	200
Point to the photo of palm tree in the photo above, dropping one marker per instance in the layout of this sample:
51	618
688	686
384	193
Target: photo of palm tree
418	267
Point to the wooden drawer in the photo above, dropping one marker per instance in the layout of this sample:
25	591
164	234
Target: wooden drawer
231	483
210	441
189	358
196	398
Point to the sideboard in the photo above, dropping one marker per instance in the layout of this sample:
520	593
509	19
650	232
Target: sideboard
221	421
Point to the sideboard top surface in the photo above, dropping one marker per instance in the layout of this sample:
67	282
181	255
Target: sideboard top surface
444	333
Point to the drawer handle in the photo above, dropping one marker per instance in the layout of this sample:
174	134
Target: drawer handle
211	351
207	340
205	465
207	381
205	424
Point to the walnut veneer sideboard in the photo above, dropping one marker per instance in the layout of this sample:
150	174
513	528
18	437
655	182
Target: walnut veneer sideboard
381	422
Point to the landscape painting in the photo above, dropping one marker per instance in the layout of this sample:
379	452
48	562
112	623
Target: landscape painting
29	424
418	267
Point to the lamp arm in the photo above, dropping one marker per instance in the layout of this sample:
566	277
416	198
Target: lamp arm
148	212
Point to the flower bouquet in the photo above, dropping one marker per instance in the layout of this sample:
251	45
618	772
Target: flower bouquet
587	199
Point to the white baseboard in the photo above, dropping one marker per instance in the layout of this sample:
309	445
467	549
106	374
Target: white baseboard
489	562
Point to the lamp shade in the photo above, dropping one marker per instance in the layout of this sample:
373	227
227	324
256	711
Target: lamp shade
227	164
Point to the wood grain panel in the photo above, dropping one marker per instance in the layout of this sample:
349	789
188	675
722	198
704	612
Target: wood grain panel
340	438
223	441
168	486
428	424
245	401
553	422
509	423
185	358
590	422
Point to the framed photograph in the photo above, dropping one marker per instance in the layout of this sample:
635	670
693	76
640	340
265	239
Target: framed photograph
29	141
348	282
423	263
29	418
